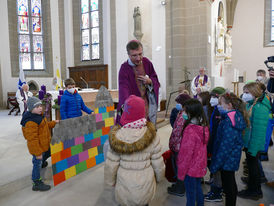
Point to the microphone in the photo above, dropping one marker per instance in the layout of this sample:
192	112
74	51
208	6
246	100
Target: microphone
84	81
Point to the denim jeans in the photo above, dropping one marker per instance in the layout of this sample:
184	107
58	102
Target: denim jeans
194	191
36	168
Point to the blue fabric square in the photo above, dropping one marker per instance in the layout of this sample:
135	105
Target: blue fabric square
102	109
104	139
88	137
61	165
99	158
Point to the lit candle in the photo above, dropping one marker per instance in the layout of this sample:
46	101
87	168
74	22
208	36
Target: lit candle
59	99
61	92
43	87
41	94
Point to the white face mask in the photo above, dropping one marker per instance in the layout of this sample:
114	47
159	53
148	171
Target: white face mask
214	101
247	97
71	90
260	78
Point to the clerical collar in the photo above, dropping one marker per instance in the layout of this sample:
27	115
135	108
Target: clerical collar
131	63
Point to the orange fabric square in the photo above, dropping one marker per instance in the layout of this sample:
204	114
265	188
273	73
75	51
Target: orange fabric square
59	177
105	130
91	162
56	157
65	153
110	108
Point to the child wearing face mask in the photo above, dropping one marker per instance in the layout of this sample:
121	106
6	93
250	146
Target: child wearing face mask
174	144
174	112
192	156
258	107
72	103
228	144
215	193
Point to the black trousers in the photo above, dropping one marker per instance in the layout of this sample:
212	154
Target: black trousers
254	181
230	187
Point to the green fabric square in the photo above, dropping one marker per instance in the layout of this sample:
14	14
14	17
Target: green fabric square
105	115
76	149
82	166
97	134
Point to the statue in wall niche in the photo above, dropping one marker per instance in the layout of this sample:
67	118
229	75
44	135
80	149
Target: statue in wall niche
220	34
137	23
228	43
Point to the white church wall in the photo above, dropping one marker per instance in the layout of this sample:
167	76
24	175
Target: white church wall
159	43
69	39
248	52
153	28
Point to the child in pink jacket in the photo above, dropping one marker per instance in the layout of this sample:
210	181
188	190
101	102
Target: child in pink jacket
192	156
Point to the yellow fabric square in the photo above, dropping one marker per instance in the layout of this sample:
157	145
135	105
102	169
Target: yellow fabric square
56	147
70	172
92	152
96	111
109	122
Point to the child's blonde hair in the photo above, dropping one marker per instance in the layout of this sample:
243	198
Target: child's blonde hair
256	91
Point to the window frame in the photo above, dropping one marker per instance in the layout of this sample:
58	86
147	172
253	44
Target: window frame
267	41
90	27
31	35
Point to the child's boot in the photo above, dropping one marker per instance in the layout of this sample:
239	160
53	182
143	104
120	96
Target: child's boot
38	185
214	195
177	189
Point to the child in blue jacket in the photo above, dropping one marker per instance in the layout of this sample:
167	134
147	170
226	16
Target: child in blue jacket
229	143
72	103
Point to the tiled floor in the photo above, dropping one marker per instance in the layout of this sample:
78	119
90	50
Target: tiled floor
86	188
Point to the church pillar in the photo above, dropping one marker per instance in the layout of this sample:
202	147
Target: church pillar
187	31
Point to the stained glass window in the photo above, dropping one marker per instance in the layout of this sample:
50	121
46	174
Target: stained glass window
30	34
90	30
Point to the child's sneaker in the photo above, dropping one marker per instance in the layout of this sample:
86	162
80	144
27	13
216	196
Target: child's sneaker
38	185
213	197
177	189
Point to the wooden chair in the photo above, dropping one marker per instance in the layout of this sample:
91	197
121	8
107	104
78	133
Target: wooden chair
13	103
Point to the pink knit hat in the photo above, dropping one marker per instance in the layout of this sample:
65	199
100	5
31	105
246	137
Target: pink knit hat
134	109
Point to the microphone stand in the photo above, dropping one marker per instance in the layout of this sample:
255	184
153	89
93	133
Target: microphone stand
84	81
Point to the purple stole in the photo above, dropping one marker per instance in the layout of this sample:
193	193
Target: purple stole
196	82
24	98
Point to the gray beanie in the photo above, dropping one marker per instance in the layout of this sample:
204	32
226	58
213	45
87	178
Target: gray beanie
33	102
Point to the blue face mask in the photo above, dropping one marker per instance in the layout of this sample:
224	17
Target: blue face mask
179	107
221	109
185	116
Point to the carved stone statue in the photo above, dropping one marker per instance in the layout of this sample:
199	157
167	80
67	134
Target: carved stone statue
220	34
228	43
137	23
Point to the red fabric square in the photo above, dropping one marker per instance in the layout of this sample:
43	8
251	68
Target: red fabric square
105	130
58	178
65	153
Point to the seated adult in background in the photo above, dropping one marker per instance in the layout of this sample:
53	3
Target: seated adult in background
72	103
22	96
200	83
138	77
261	77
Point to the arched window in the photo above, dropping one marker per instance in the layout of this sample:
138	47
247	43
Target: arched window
90	40
30	34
